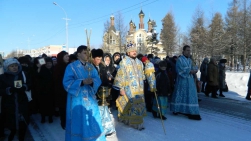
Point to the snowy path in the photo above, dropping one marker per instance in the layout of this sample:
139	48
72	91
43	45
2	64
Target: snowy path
213	126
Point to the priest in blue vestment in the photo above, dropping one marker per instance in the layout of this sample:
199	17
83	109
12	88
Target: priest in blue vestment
130	81
81	81
184	99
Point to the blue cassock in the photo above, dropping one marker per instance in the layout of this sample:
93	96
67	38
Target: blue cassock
83	121
184	99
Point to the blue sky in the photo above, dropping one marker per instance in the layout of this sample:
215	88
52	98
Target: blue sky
42	22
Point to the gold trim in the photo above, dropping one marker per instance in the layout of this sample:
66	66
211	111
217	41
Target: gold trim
149	71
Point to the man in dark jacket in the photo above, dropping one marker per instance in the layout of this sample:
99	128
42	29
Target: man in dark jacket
249	88
222	76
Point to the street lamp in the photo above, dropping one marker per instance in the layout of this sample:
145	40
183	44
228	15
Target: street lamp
66	25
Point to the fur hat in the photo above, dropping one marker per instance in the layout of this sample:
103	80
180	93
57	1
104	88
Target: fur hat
130	47
150	56
97	53
223	60
24	60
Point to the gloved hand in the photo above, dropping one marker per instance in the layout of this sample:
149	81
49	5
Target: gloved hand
20	90
12	90
153	90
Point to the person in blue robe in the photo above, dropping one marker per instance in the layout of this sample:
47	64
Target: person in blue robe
184	99
81	81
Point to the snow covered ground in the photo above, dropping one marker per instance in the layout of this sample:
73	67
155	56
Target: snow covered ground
213	126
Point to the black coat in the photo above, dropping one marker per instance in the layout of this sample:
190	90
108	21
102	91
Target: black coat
46	94
222	76
249	80
203	71
60	93
162	83
103	73
17	100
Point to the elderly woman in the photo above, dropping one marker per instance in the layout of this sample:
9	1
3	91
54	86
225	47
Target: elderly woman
212	78
203	75
14	100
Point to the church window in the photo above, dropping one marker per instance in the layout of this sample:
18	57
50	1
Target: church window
112	40
140	40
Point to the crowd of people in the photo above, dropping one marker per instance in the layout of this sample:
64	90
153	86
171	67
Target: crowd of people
83	88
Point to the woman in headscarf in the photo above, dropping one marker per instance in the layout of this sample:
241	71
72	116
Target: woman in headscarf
107	70
14	100
203	75
116	60
46	94
35	89
60	93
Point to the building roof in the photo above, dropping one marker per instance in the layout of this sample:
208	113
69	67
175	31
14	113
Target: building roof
149	21
112	28
141	13
131	22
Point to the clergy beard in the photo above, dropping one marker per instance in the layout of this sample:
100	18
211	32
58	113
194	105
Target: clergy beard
133	57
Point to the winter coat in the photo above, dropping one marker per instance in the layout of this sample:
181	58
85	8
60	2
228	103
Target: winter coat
213	74
58	75
60	93
222	76
46	94
162	83
203	70
102	71
116	63
14	106
249	81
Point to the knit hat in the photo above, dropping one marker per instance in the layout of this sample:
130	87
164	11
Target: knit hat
130	47
8	62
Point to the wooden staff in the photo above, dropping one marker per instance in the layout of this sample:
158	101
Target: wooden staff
160	113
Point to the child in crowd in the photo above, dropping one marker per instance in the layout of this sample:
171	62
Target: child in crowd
163	91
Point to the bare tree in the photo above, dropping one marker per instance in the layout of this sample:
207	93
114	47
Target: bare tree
106	26
120	26
15	53
168	33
